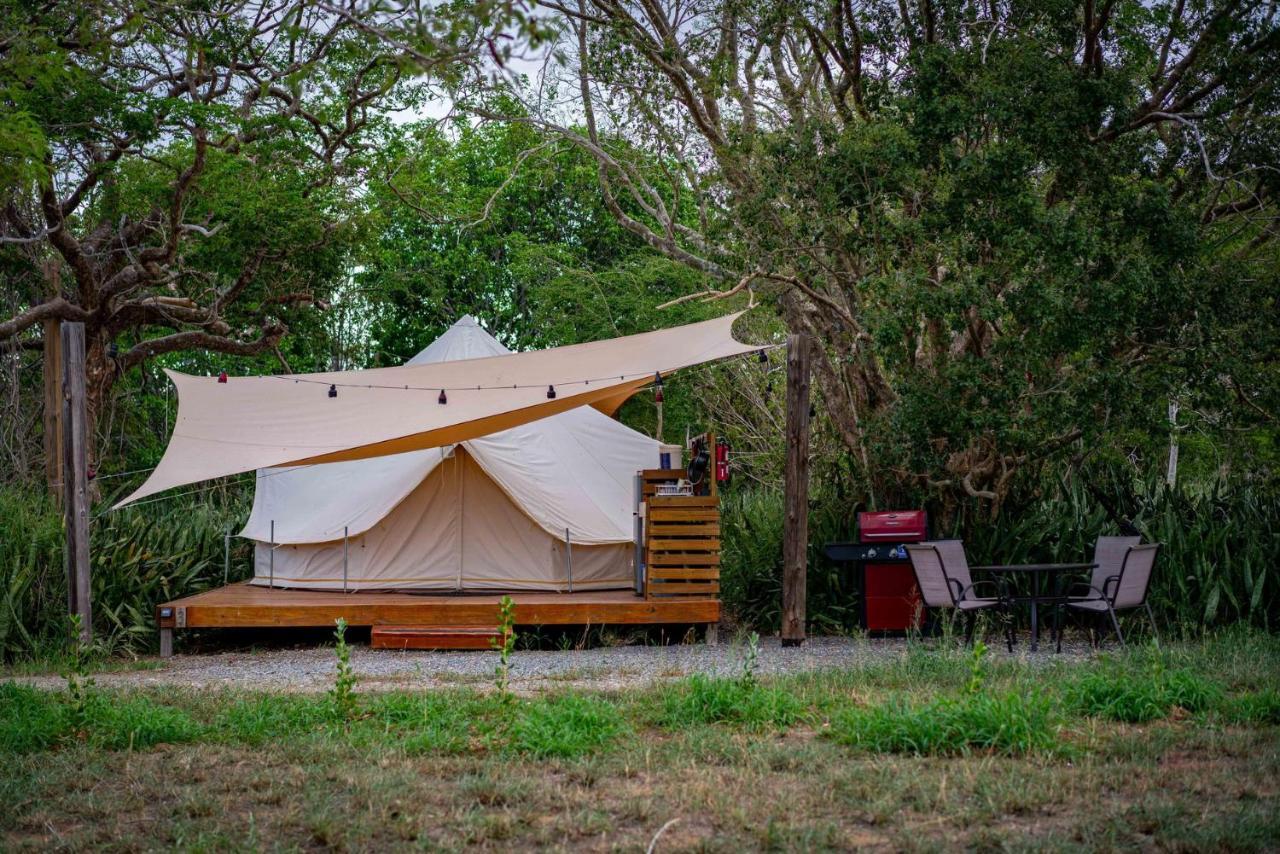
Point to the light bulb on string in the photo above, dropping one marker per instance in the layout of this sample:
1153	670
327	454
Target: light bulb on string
551	392
333	391
443	398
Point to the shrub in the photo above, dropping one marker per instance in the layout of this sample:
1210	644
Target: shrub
141	556
1010	723
705	700
33	720
1255	708
1137	696
119	722
30	719
565	726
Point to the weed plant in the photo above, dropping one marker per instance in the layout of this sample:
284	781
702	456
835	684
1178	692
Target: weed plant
343	693
505	644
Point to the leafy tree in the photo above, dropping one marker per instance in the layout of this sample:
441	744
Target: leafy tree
1013	230
186	177
509	225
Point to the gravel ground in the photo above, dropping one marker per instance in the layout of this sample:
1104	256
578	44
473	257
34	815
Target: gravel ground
602	668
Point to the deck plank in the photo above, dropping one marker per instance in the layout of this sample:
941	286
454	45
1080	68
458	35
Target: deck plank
248	606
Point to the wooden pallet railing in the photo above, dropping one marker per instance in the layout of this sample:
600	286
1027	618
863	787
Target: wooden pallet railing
682	545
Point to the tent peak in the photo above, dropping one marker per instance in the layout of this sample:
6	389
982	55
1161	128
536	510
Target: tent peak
465	339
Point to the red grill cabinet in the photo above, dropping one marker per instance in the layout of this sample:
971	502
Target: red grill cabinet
890	598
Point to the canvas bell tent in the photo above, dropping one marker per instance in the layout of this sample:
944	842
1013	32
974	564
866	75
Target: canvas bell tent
546	505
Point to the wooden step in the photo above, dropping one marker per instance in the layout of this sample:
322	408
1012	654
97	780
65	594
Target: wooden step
434	637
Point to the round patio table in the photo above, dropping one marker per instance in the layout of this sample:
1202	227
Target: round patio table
1046	591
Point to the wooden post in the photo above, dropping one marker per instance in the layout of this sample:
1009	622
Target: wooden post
75	477
795	532
53	406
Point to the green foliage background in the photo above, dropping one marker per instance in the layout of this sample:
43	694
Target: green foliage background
1111	296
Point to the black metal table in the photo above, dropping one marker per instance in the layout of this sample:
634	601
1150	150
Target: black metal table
1040	591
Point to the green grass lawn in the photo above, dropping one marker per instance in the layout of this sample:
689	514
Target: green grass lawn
1176	749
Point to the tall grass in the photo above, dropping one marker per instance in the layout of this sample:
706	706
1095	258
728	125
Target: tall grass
1220	563
751	573
139	557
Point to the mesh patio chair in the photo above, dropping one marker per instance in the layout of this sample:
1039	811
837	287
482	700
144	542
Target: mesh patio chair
1108	557
942	574
1122	588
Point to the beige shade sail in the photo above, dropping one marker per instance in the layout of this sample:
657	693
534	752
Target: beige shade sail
572	472
248	423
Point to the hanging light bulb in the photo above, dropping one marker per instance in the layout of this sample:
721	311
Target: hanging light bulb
551	392
443	398
657	387
222	377
763	356
333	391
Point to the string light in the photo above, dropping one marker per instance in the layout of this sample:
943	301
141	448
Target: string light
333	390
657	387
552	392
764	356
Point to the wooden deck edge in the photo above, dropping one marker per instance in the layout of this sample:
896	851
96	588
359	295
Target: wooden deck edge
191	613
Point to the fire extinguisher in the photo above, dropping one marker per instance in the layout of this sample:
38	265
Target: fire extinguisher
722	461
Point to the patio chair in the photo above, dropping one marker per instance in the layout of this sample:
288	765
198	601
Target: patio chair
1108	557
1122	587
942	574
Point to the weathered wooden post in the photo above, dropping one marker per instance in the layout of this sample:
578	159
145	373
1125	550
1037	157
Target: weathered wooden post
795	532
75	477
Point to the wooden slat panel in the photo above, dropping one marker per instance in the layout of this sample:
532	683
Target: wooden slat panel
662	474
696	559
682	537
696	529
664	572
683	514
668	501
683	588
664	545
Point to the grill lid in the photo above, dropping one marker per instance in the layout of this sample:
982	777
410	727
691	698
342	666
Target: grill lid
903	526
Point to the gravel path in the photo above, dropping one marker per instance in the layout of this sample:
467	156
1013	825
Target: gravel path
602	668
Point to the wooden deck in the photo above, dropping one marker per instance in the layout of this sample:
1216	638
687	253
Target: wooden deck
247	606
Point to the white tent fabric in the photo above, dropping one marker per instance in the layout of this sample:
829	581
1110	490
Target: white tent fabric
491	512
248	423
456	530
